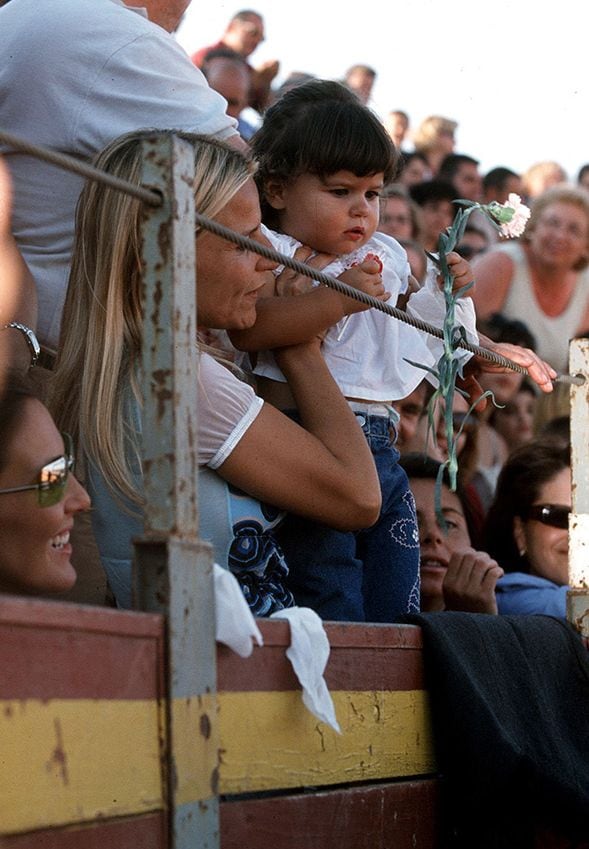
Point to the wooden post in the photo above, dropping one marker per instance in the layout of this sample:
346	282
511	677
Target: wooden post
578	596
174	569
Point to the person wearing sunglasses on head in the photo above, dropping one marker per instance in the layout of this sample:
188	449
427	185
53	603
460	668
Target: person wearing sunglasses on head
39	497
527	529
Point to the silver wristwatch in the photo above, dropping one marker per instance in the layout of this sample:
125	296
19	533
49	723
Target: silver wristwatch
30	338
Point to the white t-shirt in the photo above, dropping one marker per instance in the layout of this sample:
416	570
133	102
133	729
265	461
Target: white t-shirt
226	408
367	352
74	75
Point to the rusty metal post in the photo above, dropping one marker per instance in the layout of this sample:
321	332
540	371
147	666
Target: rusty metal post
578	595
173	572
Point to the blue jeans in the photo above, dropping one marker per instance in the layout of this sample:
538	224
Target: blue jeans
365	576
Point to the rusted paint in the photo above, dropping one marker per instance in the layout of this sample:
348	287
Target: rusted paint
58	756
182	587
205	726
215	781
164	241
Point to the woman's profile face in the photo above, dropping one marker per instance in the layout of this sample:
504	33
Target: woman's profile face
229	278
547	547
35	551
561	235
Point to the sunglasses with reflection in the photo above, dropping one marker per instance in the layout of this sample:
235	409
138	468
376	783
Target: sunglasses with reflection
554	515
52	478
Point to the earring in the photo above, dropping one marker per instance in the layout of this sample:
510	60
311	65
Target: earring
522	552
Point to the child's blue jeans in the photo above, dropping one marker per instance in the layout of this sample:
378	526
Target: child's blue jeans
365	576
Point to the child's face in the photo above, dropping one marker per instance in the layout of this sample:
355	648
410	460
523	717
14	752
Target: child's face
336	214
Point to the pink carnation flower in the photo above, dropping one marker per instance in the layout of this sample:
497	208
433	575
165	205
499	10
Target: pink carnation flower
517	223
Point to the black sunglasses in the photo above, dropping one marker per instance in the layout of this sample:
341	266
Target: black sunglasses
554	515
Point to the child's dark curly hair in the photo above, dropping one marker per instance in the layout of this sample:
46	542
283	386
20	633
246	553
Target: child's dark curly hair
320	128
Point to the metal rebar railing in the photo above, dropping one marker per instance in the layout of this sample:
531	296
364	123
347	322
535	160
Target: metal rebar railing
89	172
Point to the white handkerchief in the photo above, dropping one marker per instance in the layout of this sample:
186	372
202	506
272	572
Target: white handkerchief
235	624
308	653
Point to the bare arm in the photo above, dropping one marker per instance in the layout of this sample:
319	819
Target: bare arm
493	272
306	311
18	295
323	470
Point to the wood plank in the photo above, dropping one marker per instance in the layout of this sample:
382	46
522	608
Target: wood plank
144	832
400	815
269	740
69	761
362	657
55	650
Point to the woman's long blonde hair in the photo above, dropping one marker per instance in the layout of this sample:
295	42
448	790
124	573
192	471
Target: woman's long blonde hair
101	331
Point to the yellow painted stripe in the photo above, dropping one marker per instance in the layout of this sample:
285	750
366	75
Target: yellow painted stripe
70	761
270	740
65	761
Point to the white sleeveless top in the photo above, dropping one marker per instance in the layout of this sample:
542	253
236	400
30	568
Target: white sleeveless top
552	334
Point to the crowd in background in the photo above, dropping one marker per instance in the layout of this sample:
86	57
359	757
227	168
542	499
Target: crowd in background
533	291
503	542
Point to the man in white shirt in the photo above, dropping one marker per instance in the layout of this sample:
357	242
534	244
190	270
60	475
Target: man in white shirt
74	75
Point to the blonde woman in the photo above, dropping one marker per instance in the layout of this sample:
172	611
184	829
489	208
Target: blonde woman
435	139
322	470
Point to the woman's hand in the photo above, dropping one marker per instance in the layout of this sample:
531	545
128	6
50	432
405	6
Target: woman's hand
469	583
540	372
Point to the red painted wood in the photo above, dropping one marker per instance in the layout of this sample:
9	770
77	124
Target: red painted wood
362	657
144	832
399	815
55	650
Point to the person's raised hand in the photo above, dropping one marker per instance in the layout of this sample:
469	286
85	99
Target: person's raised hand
469	583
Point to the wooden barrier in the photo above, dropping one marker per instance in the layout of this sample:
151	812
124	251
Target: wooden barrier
83	737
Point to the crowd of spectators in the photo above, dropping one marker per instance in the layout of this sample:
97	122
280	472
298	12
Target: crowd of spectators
532	292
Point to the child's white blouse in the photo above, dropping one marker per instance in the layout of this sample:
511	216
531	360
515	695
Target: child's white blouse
367	352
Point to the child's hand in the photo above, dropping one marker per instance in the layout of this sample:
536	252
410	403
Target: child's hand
461	272
290	282
367	278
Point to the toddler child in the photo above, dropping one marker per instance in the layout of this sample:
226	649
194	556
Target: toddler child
324	159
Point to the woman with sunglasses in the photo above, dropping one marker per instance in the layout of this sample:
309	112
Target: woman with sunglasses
39	498
527	529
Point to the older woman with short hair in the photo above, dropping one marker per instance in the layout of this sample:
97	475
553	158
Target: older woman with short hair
542	278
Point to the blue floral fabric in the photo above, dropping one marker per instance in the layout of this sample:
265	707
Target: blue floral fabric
255	557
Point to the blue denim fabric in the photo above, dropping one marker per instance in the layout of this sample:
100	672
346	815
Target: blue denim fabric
368	576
